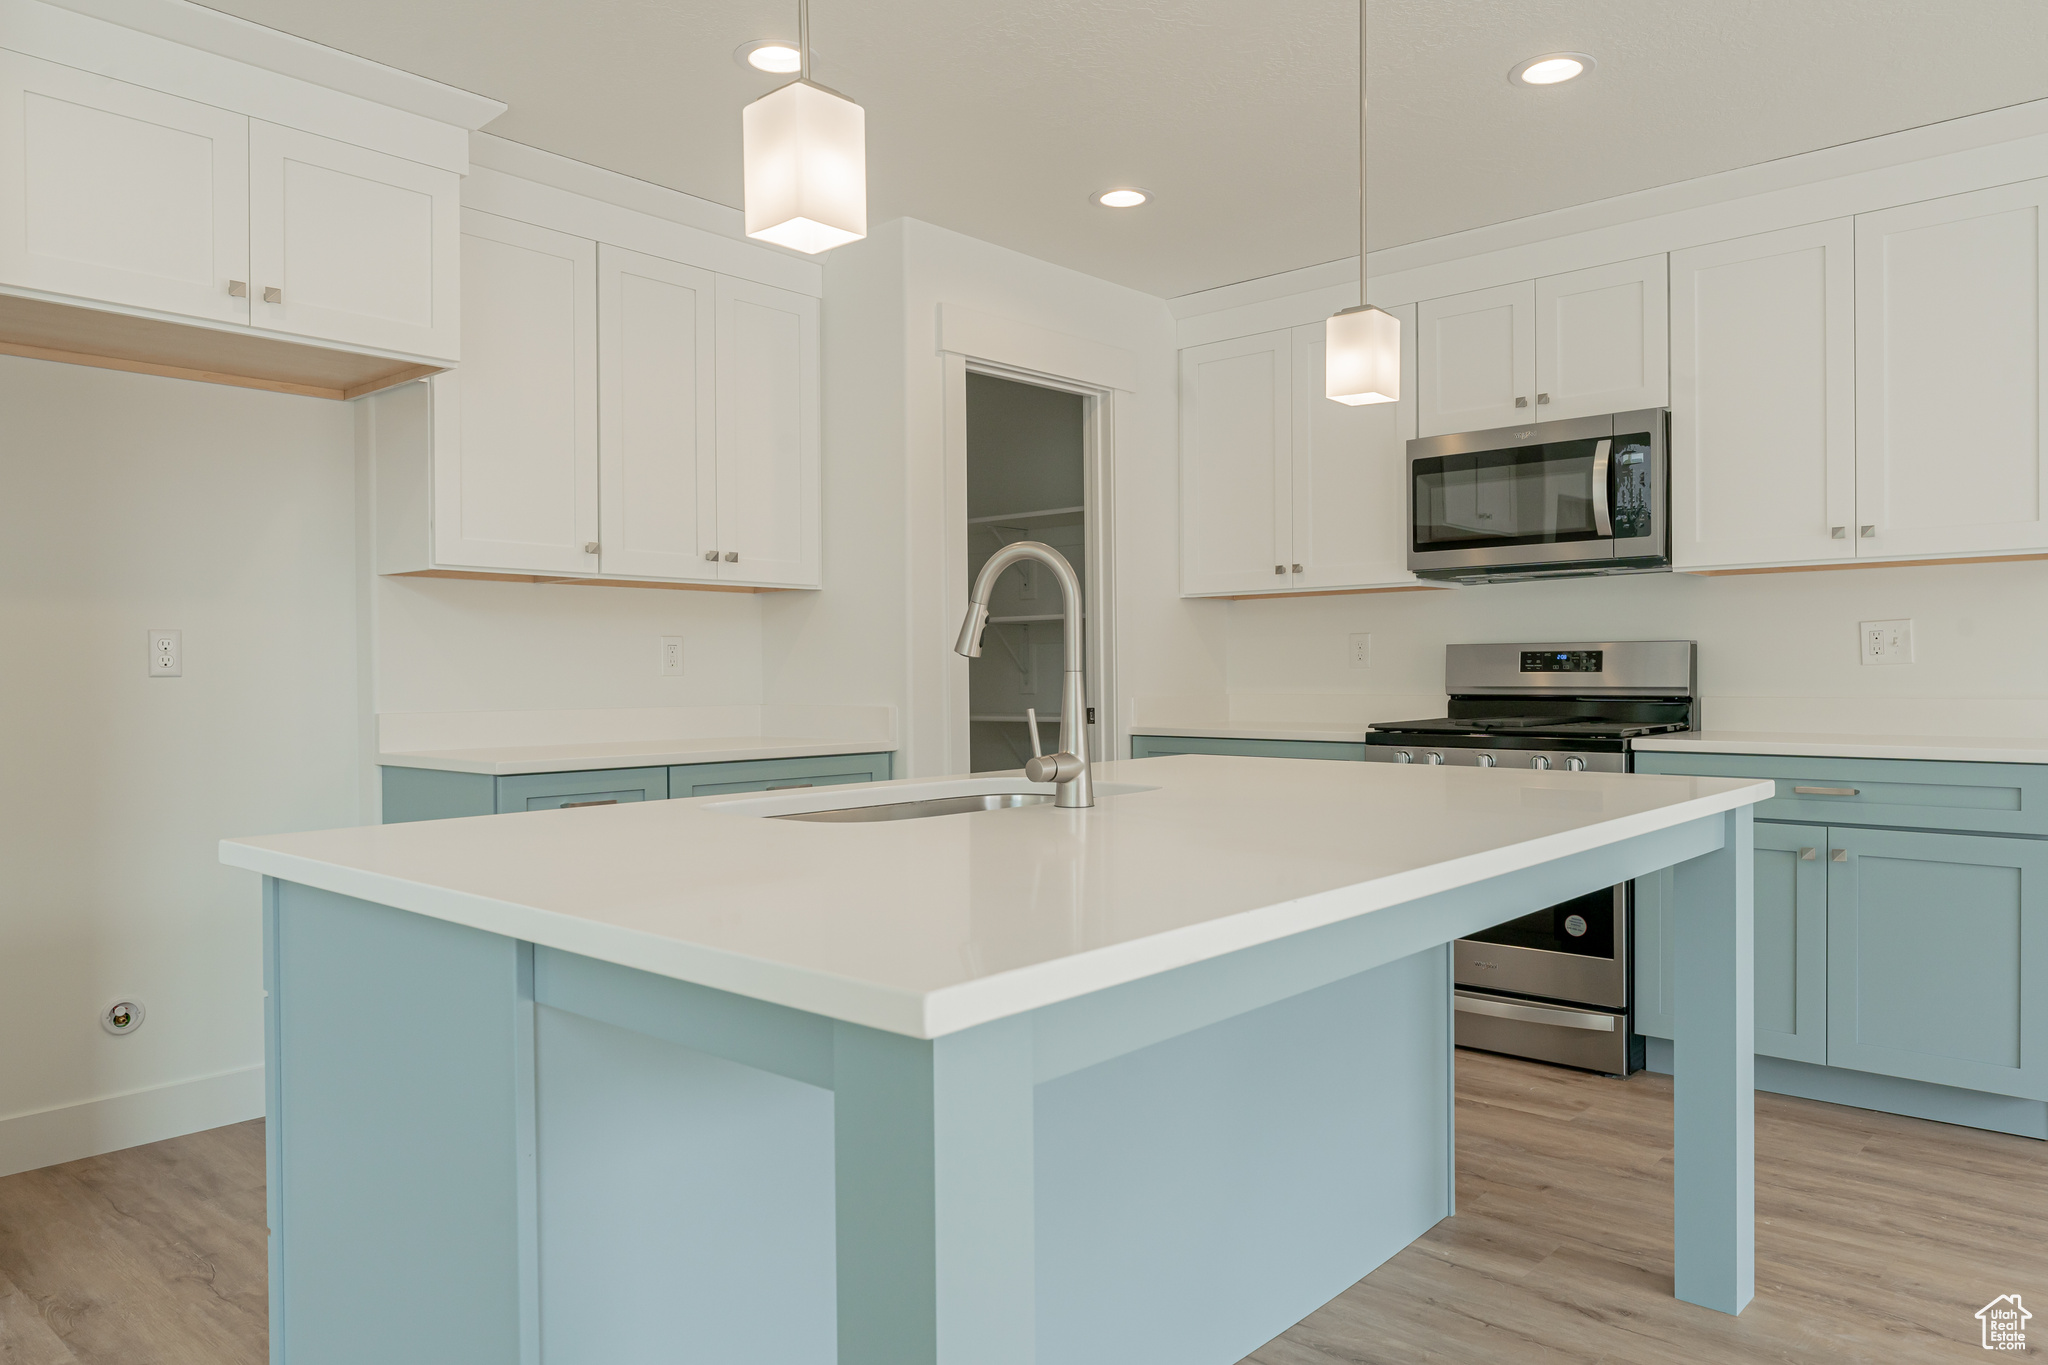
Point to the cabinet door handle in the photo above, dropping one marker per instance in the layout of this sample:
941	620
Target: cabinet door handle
1870	533
1825	791
1297	568
608	801
272	294
1280	568
1542	398
1521	402
1807	855
1838	532
711	555
1838	855
732	556
590	547
792	786
238	289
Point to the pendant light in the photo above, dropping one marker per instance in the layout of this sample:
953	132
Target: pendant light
804	149
1362	345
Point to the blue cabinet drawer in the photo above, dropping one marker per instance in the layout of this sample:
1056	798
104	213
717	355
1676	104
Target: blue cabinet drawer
605	787
1978	798
1154	746
772	774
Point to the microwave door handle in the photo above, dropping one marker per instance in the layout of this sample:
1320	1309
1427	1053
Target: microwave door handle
1603	514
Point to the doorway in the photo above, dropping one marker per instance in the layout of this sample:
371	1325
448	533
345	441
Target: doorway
1027	479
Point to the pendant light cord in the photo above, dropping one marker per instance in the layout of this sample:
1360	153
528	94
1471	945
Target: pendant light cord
803	39
1361	149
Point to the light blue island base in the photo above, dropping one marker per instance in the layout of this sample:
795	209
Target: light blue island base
482	1150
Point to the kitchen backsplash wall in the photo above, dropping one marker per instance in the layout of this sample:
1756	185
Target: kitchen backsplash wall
1776	650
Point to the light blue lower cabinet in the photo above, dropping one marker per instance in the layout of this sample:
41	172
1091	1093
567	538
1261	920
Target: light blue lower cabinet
1791	946
430	794
1938	958
557	791
1154	746
776	774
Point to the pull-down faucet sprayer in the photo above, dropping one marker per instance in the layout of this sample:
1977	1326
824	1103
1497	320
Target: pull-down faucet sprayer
1068	770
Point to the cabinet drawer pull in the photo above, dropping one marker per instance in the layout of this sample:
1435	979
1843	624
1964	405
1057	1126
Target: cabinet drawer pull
608	801
1838	855
1825	791
792	786
1807	855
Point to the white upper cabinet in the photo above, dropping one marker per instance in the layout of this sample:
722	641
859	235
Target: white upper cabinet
1282	489
657	424
1572	345
352	246
121	194
1476	354
515	430
769	435
1763	390
1236	465
1601	340
1952	368
1350	475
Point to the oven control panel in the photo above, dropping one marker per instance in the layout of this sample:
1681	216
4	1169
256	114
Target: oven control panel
1564	661
1461	756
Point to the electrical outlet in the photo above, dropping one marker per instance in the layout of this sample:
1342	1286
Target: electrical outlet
1886	642
670	663
1361	651
166	654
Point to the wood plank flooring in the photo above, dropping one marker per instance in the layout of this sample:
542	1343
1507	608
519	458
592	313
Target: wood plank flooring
1878	1238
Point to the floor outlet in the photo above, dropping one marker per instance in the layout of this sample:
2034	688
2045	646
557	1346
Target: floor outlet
1886	642
1361	651
166	654
671	656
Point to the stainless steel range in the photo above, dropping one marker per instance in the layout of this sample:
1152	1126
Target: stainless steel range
1554	983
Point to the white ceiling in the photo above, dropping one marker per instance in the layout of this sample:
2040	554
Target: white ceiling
997	118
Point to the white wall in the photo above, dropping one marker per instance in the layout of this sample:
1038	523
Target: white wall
126	503
880	631
1776	650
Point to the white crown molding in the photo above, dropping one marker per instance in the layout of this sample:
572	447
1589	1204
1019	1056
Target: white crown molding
1791	182
224	35
595	182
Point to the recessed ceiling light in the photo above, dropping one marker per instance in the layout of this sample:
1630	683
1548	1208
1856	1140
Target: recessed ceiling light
1552	68
1125	198
777	56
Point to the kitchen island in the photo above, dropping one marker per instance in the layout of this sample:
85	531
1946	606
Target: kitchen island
1150	1080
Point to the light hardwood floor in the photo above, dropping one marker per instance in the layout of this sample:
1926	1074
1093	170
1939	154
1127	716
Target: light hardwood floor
1878	1238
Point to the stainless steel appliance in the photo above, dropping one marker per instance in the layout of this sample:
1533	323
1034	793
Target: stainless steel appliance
1553	984
1551	499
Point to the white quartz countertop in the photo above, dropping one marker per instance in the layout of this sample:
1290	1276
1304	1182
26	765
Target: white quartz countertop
924	927
1324	732
507	760
1952	748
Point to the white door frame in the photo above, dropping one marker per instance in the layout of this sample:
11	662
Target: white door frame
982	344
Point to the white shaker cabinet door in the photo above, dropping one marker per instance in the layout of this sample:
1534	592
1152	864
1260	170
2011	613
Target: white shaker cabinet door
120	194
1602	340
1350	474
769	435
1763	399
353	246
1236	466
1476	360
1951	370
515	429
657	430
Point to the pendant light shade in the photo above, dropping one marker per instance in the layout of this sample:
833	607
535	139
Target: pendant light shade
1362	356
1362	345
805	150
805	153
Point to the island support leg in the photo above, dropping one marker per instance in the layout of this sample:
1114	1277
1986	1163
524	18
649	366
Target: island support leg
1714	1064
935	1196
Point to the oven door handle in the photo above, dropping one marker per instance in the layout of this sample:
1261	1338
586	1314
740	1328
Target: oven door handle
1603	513
1534	1014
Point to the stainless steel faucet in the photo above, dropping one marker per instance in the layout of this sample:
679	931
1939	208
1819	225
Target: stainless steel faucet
1068	770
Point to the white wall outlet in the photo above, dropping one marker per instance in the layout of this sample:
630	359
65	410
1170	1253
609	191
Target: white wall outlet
1886	642
670	661
166	654
1361	651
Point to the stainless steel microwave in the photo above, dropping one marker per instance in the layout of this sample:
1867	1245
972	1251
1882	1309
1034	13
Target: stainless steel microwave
1551	499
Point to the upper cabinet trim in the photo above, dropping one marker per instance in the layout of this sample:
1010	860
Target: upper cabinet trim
984	336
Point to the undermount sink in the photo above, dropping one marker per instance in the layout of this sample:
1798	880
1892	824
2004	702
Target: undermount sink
919	810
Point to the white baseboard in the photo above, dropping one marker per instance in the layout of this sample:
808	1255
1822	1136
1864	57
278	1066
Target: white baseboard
68	1132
